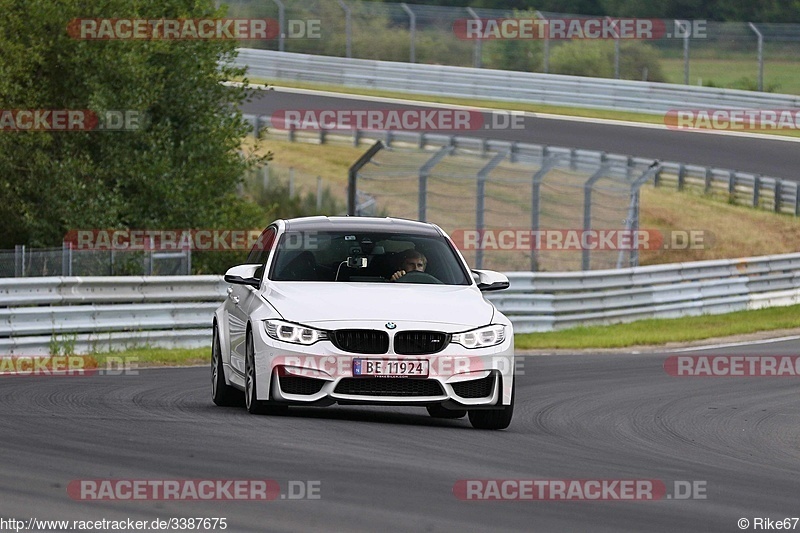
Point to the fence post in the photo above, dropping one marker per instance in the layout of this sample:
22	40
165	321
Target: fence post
632	221
797	200
424	173
681	176
616	52
760	56
685	27
348	28
587	210
778	194
480	199
412	29
281	24
707	184
477	52
756	190
548	162
546	43
352	175
19	260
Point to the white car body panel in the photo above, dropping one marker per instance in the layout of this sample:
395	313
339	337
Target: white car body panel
392	308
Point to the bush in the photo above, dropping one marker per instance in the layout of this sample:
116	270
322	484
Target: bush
596	59
525	55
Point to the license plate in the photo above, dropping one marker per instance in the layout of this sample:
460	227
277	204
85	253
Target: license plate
390	368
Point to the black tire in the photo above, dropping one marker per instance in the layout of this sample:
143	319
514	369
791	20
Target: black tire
437	411
255	406
493	418
222	394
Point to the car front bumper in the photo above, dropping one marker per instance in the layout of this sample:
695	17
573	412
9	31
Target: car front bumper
321	374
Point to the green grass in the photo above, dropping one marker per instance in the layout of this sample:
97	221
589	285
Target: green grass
644	118
146	356
654	332
782	75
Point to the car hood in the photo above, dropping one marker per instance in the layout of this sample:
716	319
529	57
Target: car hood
310	302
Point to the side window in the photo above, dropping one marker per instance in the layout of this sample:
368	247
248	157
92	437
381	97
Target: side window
261	249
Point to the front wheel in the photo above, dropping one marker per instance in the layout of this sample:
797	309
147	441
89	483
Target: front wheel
222	394
253	404
493	418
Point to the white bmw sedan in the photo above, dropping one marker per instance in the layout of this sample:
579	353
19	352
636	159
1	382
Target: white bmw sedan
364	311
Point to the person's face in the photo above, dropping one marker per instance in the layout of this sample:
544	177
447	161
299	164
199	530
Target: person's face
410	265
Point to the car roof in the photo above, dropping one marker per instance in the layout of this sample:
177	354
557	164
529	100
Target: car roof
389	224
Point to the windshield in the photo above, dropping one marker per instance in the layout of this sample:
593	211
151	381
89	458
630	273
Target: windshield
368	257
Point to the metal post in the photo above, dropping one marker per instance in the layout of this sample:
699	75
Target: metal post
548	162
149	255
19	261
760	56
424	173
778	194
352	175
291	182
683	25
546	52
616	52
319	194
281	25
64	258
412	28
481	199
797	200
348	27
732	182
587	209
476	58
632	220
756	190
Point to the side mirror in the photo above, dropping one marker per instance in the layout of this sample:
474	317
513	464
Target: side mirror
489	280
243	275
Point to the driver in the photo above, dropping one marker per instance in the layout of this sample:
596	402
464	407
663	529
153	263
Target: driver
413	261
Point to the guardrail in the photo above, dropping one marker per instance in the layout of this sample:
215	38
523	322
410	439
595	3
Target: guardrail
774	194
502	85
42	315
542	301
95	314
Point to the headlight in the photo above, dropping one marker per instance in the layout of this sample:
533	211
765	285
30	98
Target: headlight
481	337
294	333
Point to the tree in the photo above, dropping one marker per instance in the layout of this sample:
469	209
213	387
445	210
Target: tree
178	170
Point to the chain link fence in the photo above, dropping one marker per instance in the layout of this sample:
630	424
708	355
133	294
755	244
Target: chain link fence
539	210
755	56
66	261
